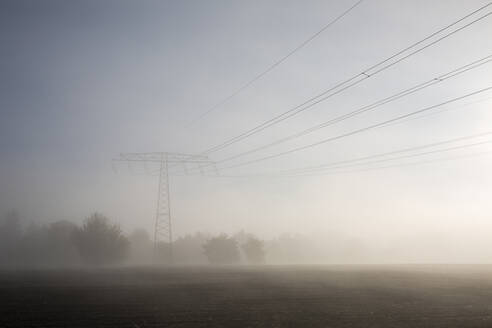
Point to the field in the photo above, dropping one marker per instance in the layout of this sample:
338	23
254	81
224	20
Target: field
324	296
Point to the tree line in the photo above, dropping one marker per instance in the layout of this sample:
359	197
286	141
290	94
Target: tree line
98	242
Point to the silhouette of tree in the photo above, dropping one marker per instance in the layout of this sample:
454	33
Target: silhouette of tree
222	250
189	249
254	251
10	238
58	245
141	247
100	242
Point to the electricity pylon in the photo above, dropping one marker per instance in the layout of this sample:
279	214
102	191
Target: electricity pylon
181	163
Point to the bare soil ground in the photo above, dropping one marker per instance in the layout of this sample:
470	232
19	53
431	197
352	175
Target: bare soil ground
328	296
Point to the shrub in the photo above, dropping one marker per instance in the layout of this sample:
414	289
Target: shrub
254	251
222	250
100	242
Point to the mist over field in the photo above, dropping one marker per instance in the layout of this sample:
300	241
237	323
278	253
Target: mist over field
262	163
84	81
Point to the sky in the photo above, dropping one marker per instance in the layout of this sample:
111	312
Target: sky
82	82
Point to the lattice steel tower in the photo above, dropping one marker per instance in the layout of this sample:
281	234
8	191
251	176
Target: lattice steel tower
181	164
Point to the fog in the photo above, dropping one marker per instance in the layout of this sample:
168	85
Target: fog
81	82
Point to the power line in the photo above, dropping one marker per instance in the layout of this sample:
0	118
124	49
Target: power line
333	167
354	80
418	87
402	164
394	152
437	112
366	108
382	126
363	160
250	176
370	127
276	63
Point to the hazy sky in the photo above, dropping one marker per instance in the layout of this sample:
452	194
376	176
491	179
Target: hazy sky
82	81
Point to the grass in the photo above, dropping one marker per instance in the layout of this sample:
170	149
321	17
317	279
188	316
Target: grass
296	296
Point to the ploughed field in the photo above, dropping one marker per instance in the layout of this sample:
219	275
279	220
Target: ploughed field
297	296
